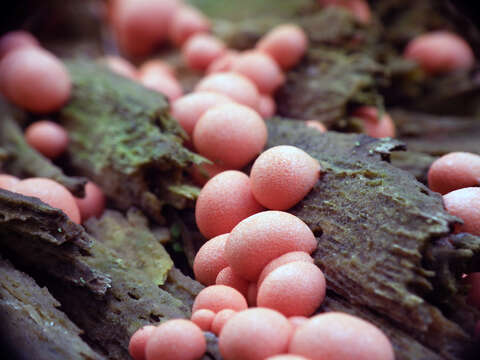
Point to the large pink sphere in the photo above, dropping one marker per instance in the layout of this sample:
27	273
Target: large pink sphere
47	137
210	260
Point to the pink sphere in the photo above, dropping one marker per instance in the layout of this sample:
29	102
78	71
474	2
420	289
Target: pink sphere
219	297
8	181
201	50
465	204
93	204
237	87
440	52
282	260
338	336
282	176
51	193
262	237
254	334
294	289
47	137
267	106
120	66
317	125
156	66
14	40
231	135
222	317
385	127
227	277
223	63
138	342
359	8
176	340
34	79
210	260
224	201
163	83
454	171
203	318
187	22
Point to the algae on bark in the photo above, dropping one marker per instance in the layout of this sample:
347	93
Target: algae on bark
31	323
376	227
123	138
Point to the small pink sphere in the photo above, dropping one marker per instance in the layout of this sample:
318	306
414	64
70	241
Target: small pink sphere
219	297
93	204
252	294
201	50
210	260
237	87
203	318
227	277
188	109
338	336
120	66
254	334
51	193
156	66
317	125
224	201
474	294
231	135
282	260
14	40
294	289
34	79
282	176
7	182
47	137
187	22
385	127
267	106
138	342
359	8
201	174
261	69
262	237
163	83
454	171
440	52
286	44
297	321
177	339
465	204
221	319
224	63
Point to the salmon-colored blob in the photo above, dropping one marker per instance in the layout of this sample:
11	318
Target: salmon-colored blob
8	181
210	260
252	294
120	66
51	193
200	50
254	334
465	204
34	79
359	8
219	297
221	319
231	135
454	171
224	201
282	260
223	63
227	277
317	125
286	44
163	83
188	109
262	237
338	336
296	321
14	40
47	137
93	204
177	339
294	289
138	342
237	87
204	172
156	66
187	22
474	294
282	176
261	69
203	318
385	127
267	106
286	357
141	25
440	52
